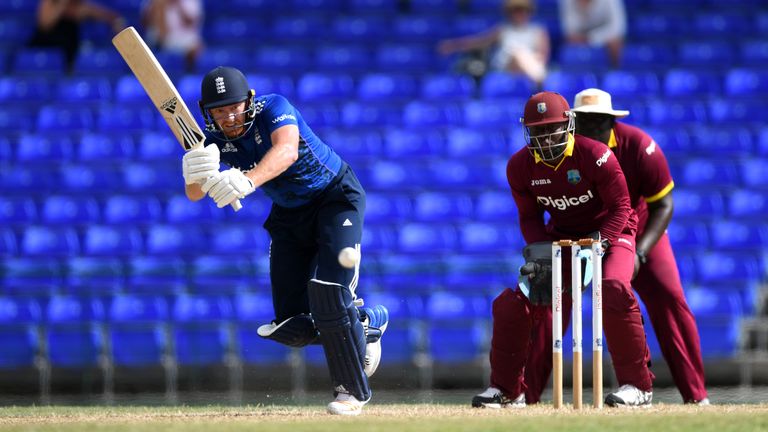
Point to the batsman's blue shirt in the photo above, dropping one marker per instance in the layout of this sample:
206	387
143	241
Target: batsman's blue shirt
315	168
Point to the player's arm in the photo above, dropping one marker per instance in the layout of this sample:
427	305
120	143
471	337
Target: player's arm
612	188
284	152
477	41
659	216
531	216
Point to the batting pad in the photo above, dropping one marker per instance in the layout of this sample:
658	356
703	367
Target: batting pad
342	336
296	331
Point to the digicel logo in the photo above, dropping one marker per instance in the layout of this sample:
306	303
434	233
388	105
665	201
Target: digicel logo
564	202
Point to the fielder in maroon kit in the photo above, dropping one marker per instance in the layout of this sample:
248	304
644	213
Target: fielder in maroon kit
656	279
579	182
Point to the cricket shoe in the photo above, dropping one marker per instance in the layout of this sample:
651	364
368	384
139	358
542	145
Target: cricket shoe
494	398
375	321
629	396
703	402
345	404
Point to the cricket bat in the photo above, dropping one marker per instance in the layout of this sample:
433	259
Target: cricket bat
161	90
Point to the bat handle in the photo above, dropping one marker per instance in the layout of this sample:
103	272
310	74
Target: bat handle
236	206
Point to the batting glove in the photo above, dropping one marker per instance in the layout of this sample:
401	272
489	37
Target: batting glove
228	186
200	164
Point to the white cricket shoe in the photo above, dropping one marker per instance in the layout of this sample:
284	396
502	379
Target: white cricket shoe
629	396
345	404
494	398
703	402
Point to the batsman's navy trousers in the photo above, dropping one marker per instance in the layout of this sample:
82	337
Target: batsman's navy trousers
306	241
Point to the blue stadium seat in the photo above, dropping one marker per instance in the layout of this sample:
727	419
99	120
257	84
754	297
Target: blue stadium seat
105	148
715	54
440	206
412	274
381	86
100	61
41	241
124	209
300	27
128	89
450	174
746	82
719	25
464	24
706	173
499	85
38	61
376	239
424	114
419	28
698	203
158	178
355	144
444	350
691	83
384	208
17	211
14	31
154	146
97	276
175	240
282	59
430	6
320	5
426	238
180	210
725	143
6	150
19	338
645	55
24	180
360	28
37	148
138	331
61	118
676	112
754	174
754	52
344	58
84	90
8	243
747	204
251	311
725	267
674	141
324	87
238	239
493	114
485	237
360	115
26	90
737	235
69	210
379	6
107	240
466	142
74	338
495	206
129	118
24	276
689	235
413	142
200	335
736	111
630	84
406	57
321	115
583	57
156	275
212	274
228	28
231	56
449	306
89	179
719	337
569	83
264	84
480	273
447	87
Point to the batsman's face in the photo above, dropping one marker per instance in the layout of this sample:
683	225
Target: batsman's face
230	119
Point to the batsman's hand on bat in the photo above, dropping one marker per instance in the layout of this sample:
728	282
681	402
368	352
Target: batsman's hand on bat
228	186
200	164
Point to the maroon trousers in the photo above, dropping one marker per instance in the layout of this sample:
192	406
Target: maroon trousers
520	341
658	284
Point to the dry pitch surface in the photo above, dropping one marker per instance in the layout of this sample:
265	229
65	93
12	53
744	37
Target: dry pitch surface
385	418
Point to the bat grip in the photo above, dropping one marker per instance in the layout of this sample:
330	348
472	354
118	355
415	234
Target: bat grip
236	206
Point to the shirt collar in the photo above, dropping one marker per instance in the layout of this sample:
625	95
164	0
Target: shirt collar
612	140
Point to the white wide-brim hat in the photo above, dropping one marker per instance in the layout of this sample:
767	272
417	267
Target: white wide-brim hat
596	101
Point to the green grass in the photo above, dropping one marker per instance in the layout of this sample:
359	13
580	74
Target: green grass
384	418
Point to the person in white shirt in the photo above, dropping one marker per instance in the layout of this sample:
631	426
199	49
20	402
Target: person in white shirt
597	23
175	26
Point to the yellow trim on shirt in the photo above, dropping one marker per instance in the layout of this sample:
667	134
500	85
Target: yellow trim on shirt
612	140
568	152
661	193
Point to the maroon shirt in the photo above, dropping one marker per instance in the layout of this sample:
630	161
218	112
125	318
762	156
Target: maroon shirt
645	167
584	193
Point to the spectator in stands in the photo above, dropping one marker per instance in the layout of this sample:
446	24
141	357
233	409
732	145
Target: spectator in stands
317	212
655	278
595	23
579	183
58	24
175	26
520	45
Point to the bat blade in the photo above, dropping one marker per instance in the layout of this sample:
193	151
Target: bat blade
160	90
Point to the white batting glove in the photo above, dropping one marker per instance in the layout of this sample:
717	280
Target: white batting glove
228	186
200	164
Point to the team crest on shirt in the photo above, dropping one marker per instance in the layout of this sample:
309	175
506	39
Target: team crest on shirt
541	107
574	177
257	137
